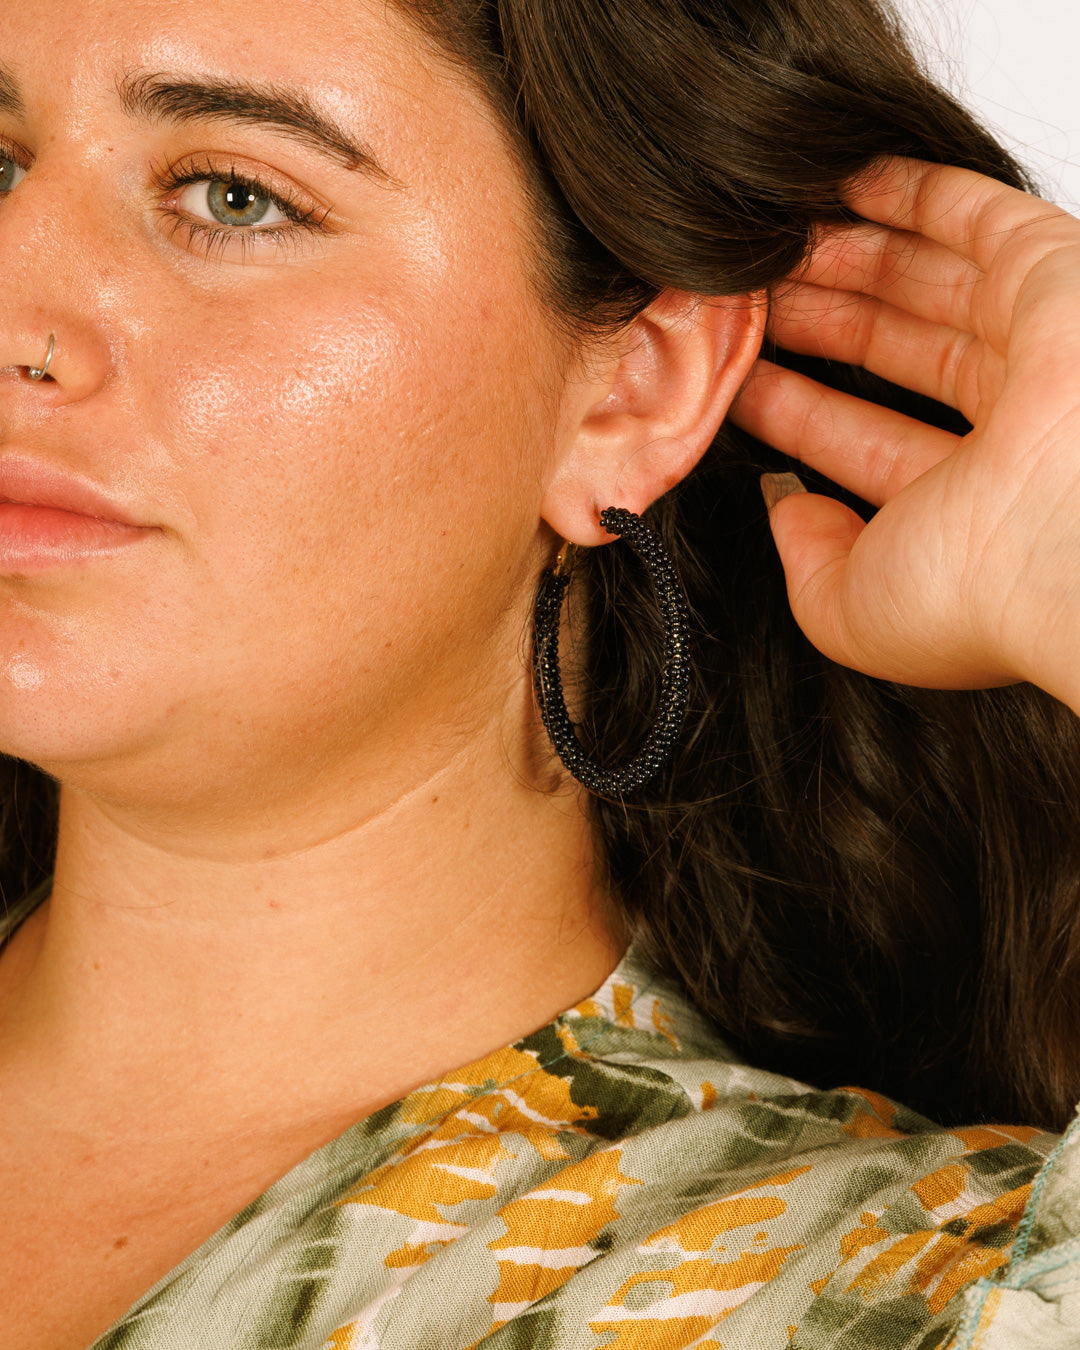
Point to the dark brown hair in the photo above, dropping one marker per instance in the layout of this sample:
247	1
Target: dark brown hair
858	881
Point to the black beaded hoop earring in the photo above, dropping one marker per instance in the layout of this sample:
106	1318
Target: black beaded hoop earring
674	680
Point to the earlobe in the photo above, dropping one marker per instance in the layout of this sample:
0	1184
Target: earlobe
650	411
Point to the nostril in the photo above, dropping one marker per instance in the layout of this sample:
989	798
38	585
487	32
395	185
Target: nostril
28	373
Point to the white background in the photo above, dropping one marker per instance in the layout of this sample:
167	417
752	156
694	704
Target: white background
1017	64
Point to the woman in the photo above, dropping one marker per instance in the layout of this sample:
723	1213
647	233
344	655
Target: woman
323	331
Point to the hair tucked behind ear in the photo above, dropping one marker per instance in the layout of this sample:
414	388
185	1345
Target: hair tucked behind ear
860	882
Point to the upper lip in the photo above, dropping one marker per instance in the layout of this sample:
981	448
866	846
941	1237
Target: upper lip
28	482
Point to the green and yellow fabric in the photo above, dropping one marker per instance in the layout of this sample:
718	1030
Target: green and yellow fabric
619	1179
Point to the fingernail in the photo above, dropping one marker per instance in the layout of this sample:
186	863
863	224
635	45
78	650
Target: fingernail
774	486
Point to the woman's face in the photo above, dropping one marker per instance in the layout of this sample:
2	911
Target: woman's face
296	345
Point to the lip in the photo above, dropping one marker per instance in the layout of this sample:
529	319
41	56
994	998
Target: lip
25	482
50	518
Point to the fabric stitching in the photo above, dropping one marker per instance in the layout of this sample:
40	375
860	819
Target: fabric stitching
1027	1223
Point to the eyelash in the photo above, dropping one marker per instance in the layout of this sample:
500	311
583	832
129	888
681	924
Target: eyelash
304	219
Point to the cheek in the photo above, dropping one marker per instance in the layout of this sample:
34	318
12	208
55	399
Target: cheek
350	540
315	433
339	475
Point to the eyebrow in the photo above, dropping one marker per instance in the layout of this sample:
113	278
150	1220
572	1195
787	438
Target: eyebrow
172	98
10	98
166	97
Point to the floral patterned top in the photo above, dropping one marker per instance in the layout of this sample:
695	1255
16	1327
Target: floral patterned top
620	1179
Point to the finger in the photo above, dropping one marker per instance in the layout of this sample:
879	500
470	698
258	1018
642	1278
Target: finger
972	215
840	587
929	358
870	450
918	275
814	537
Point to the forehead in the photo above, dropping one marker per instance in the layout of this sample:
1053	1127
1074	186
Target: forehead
361	56
241	29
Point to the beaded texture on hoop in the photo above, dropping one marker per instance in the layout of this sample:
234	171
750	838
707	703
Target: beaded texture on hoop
674	680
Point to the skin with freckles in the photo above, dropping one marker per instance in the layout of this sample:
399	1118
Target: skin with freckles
288	425
270	532
290	709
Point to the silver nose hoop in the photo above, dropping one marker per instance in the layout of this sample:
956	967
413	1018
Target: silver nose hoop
39	372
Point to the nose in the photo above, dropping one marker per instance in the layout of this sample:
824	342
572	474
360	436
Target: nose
54	332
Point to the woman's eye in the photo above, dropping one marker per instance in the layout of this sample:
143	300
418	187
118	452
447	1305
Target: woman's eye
11	174
230	203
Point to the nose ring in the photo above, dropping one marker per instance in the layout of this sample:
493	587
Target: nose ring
39	372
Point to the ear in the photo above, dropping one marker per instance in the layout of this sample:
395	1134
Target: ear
647	408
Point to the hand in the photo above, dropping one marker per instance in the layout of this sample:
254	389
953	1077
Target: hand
969	573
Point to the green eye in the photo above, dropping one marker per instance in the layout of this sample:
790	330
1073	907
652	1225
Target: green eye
231	202
233	216
11	174
237	203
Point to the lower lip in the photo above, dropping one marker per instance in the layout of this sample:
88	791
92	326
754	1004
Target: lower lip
36	538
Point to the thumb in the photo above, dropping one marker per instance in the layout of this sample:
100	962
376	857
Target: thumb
814	536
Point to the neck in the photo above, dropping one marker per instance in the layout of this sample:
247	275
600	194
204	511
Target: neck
427	932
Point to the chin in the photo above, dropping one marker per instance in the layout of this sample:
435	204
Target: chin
60	714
